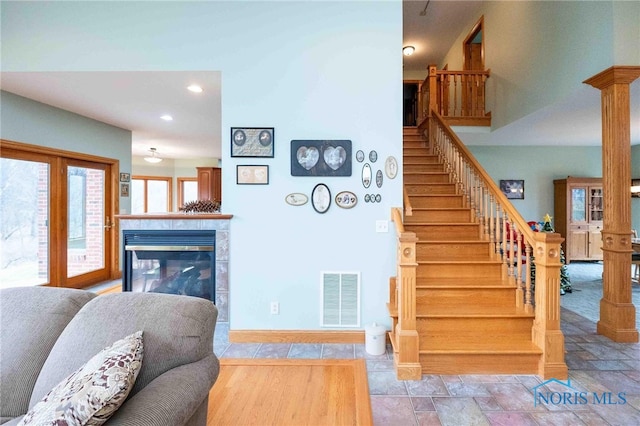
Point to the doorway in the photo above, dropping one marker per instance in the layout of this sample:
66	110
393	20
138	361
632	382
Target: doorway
410	94
57	211
473	47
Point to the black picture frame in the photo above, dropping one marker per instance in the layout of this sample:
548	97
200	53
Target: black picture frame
252	174
125	177
253	142
513	189
321	157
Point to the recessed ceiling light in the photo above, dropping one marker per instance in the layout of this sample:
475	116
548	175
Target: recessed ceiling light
167	117
194	88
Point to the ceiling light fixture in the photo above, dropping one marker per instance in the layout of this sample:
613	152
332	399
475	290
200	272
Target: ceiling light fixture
408	50
167	117
194	88
152	158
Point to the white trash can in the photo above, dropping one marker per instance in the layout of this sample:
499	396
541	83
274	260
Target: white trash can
375	339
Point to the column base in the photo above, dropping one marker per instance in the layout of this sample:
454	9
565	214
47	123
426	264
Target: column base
618	321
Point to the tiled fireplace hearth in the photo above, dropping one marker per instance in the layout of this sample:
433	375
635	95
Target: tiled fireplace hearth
187	222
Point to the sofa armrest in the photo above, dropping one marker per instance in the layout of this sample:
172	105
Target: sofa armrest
171	398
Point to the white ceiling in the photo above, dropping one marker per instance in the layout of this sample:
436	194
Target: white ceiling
136	100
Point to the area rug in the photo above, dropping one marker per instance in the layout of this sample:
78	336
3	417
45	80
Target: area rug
290	392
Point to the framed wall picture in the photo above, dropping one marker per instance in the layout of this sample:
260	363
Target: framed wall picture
513	189
125	177
252	175
320	158
124	189
321	198
252	142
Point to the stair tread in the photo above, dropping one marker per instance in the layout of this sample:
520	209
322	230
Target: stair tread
475	311
456	282
437	345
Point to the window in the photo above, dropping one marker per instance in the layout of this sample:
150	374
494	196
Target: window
150	194
187	190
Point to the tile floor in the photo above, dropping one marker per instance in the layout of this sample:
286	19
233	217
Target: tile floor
604	376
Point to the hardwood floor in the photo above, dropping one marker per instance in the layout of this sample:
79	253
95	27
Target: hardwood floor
290	392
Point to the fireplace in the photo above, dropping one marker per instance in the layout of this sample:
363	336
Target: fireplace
170	261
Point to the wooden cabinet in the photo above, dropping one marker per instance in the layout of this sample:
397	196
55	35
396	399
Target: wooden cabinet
578	216
210	183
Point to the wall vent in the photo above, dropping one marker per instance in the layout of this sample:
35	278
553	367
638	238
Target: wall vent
340	299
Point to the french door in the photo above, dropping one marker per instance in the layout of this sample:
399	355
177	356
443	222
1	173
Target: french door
86	242
56	226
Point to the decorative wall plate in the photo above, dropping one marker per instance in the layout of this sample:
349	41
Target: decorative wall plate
378	198
346	199
321	198
366	175
296	199
360	156
391	167
373	156
379	178
367	198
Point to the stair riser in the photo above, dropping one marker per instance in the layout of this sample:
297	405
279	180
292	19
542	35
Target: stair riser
443	298
445	232
451	270
469	329
426	178
455	364
439	216
426	189
436	201
453	250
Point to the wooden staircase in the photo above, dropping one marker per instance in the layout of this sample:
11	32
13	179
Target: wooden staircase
466	315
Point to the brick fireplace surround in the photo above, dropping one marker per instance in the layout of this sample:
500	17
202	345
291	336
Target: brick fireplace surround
180	221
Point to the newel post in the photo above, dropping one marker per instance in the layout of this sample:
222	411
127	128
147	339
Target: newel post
407	360
546	332
433	89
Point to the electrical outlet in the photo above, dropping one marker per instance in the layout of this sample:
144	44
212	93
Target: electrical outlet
275	308
382	226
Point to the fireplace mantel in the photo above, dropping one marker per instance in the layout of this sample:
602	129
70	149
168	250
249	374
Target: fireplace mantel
179	216
192	221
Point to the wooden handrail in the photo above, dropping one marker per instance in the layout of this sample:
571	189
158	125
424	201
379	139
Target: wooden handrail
408	210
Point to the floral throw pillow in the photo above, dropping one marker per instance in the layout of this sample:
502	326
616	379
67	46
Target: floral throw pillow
91	394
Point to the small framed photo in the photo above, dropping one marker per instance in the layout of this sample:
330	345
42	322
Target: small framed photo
125	177
252	175
124	189
513	189
252	142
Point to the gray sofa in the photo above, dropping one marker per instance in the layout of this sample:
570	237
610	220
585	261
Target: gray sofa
47	333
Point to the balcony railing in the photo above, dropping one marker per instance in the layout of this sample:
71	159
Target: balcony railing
458	96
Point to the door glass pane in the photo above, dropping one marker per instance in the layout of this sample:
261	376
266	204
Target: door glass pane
85	238
137	196
578	210
24	208
596	204
157	196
